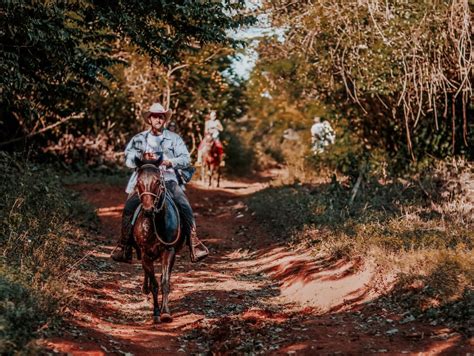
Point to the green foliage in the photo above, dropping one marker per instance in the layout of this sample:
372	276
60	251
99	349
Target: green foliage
206	84
375	217
202	82
391	69
40	237
97	140
274	105
420	230
239	157
56	55
48	61
347	156
23	312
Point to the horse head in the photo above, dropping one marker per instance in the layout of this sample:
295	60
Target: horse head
150	182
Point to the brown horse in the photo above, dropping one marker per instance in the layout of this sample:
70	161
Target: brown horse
157	232
211	161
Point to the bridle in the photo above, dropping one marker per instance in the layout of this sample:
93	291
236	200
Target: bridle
162	191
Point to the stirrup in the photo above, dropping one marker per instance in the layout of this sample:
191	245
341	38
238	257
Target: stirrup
198	254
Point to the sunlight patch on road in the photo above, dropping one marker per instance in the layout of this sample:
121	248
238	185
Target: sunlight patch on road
110	211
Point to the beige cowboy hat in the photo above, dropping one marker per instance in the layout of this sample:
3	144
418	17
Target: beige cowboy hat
157	108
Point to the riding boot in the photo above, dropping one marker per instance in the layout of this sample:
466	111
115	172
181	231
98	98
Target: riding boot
196	248
123	251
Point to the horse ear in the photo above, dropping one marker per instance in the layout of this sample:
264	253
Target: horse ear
138	162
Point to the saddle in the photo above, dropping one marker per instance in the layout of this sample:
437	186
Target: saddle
214	147
139	208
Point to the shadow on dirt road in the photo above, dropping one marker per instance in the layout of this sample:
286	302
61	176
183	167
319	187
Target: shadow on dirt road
252	295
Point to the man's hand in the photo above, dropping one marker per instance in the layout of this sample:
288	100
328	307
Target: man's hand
149	156
166	163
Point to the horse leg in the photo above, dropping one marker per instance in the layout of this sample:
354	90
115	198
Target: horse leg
137	250
218	176
210	175
146	284
147	264
167	262
203	172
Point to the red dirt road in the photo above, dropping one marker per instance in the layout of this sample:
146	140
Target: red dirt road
251	295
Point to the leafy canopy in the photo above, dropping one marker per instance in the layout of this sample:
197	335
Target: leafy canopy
54	54
398	70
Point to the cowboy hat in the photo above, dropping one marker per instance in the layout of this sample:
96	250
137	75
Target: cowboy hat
156	108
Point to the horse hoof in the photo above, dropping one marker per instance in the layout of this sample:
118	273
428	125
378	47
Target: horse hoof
156	319
166	318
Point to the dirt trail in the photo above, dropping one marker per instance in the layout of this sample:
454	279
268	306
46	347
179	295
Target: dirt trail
250	295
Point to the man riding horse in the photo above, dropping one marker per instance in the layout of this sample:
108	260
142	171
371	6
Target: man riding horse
148	145
212	129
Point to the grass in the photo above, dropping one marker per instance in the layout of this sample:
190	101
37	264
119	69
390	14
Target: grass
42	226
421	230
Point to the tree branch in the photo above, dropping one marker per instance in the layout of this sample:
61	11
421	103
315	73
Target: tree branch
47	128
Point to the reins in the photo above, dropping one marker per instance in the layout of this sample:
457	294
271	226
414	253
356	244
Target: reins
162	193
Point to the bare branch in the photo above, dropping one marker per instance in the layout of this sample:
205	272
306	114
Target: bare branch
47	128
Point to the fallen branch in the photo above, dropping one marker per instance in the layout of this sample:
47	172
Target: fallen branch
356	188
76	263
47	128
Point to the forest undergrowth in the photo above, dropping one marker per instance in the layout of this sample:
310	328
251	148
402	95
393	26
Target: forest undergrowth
42	229
419	232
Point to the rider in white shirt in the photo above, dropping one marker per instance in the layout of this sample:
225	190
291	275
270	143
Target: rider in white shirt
212	127
148	145
322	135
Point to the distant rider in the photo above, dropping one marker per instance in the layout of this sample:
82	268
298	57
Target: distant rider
212	129
322	135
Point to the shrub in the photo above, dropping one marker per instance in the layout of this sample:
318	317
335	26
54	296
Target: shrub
40	237
421	228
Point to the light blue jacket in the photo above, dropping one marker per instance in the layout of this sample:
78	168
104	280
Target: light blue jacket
174	149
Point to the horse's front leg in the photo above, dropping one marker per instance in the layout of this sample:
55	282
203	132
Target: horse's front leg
218	176
149	269
167	262
146	284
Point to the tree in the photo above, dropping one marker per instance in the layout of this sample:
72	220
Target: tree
56	54
201	82
399	71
